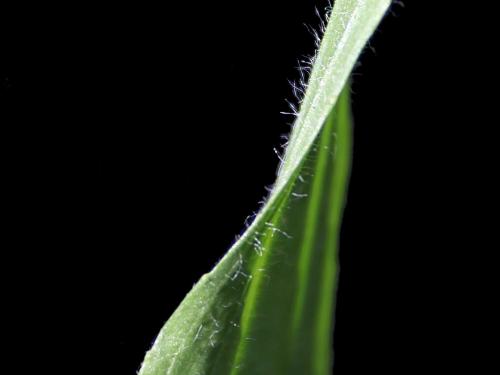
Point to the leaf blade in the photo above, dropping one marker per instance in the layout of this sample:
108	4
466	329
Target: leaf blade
225	323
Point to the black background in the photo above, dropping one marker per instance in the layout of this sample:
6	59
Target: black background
138	138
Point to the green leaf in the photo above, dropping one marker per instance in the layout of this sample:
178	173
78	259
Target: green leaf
267	306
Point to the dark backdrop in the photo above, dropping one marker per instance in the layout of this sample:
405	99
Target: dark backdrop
138	138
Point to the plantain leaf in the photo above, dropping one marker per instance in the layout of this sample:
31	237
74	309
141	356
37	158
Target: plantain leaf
267	306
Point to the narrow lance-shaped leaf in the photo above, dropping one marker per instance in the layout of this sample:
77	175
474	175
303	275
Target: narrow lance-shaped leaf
267	306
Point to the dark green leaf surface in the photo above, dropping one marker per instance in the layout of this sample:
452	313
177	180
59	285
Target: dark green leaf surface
267	307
